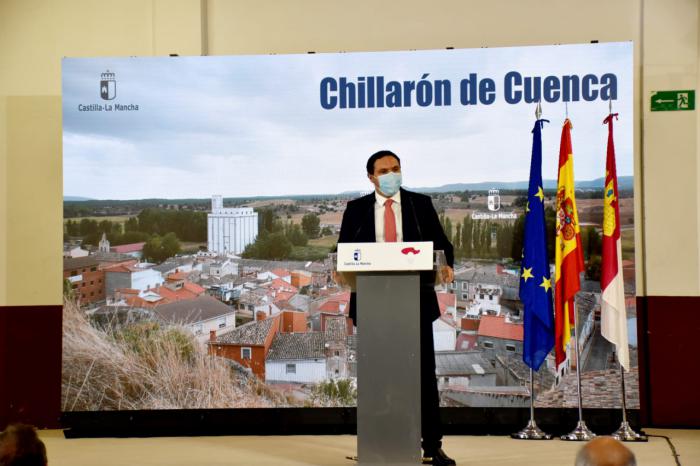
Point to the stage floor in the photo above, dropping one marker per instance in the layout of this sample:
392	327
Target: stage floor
331	450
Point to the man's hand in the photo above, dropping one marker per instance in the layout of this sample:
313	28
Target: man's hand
447	275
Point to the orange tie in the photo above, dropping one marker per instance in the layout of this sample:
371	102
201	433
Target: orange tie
389	222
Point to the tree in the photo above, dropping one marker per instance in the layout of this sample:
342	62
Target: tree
72	228
504	240
296	236
311	224
593	268
326	231
87	226
467	236
158	249
591	242
457	240
519	201
152	249
267	219
516	249
274	246
132	224
550	220
448	227
116	229
105	226
171	245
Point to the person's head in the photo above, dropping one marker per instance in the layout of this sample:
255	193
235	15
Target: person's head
605	451
384	171
20	446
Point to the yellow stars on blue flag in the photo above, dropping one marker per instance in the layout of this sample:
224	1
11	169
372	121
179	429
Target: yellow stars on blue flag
546	283
540	193
538	338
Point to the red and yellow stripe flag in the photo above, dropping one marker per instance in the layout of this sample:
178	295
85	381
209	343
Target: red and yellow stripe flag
568	254
613	315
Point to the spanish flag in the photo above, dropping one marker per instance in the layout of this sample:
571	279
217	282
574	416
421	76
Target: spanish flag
568	254
613	315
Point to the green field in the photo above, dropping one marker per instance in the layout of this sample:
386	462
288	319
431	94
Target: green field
326	241
627	237
309	253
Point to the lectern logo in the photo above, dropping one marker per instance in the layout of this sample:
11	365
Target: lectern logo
407	251
108	85
357	255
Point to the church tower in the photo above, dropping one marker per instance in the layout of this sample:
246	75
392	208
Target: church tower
104	243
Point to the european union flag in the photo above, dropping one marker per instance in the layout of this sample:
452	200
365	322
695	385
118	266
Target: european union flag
535	283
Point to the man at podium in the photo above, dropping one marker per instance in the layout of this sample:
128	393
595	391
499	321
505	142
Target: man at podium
392	214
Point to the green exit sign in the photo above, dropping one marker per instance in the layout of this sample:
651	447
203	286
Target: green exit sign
667	101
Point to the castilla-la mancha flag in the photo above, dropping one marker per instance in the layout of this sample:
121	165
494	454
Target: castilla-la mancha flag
568	253
613	316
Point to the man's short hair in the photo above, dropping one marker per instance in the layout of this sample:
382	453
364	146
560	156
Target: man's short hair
378	155
21	446
605	451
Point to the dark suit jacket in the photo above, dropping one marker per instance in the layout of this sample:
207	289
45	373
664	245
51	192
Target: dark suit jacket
419	222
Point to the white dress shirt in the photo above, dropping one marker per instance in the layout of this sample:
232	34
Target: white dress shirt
379	216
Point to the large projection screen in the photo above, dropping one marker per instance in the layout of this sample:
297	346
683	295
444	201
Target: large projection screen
202	196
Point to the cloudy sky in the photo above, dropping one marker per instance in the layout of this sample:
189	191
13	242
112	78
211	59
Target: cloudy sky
254	126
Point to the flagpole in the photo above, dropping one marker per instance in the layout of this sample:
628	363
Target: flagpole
625	433
531	431
581	432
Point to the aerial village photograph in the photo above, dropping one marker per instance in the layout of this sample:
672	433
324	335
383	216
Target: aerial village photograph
196	270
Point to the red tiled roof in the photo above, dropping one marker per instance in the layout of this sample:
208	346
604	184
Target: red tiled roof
343	297
330	306
284	295
280	285
127	248
189	290
466	342
470	324
177	276
127	291
281	272
136	301
193	288
497	327
446	300
121	268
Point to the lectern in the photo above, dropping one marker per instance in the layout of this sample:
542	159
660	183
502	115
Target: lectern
388	353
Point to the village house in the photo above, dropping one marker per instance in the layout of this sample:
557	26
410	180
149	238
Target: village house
475	288
468	336
86	279
444	328
177	264
201	315
499	335
134	250
136	276
463	369
310	357
220	268
250	343
73	251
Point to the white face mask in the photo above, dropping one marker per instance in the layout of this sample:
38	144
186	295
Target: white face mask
389	183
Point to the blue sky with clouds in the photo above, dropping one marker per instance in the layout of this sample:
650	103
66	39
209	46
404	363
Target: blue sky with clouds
253	125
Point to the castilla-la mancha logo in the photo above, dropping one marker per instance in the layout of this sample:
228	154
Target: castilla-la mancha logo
494	200
357	255
108	85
